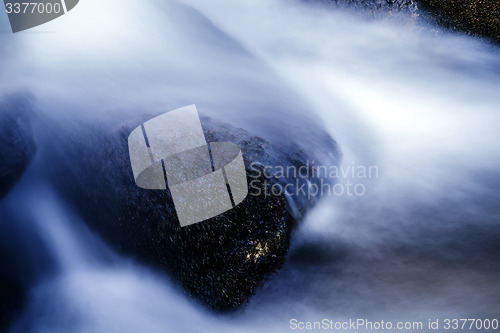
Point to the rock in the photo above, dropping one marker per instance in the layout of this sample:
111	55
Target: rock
21	255
17	146
25	259
12	296
478	17
373	7
220	261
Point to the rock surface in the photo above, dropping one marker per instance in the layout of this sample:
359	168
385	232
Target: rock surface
16	149
220	261
479	17
17	146
374	7
11	300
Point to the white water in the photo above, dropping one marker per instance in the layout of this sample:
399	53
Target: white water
418	102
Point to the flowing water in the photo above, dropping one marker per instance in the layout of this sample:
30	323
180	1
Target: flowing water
418	103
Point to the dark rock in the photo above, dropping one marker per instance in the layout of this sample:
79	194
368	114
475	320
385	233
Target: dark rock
478	17
17	146
374	7
12	296
220	261
25	259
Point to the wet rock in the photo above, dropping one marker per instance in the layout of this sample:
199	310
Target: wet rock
220	261
374	7
478	17
25	259
12	296
17	146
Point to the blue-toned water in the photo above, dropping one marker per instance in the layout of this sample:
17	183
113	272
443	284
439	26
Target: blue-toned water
419	103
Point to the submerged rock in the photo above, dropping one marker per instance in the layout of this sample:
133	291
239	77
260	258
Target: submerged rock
25	259
478	17
12	296
17	146
220	261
